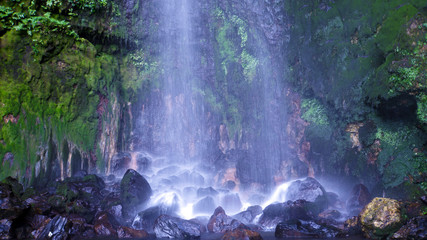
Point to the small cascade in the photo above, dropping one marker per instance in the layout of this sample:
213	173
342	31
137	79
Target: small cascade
279	194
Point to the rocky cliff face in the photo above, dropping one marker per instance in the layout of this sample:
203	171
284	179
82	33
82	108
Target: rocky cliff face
289	89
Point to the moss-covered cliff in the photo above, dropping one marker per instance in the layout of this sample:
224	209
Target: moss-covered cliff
67	75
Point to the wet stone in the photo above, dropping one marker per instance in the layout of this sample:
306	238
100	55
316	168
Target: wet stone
306	229
205	205
219	222
381	217
135	191
416	228
56	229
105	224
249	215
126	232
241	234
172	227
308	189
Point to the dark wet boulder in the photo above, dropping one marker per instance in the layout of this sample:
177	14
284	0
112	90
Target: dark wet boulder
81	208
205	205
359	197
279	212
305	229
11	207
57	203
173	227
241	234
145	219
381	218
56	229
16	187
292	229
120	162
135	192
78	225
79	195
219	222
309	190
87	188
204	192
126	232
105	224
416	228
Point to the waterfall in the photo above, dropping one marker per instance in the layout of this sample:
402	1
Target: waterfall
183	119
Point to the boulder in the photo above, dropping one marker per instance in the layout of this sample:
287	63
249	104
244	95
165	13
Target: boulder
11	207
279	212
309	190
38	223
204	192
173	227
16	187
359	197
381	218
241	234
56	229
39	204
305	229
134	192
105	224
205	205
231	202
219	222
145	219
78	225
416	228
126	232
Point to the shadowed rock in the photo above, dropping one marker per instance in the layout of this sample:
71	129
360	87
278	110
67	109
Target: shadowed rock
134	192
359	197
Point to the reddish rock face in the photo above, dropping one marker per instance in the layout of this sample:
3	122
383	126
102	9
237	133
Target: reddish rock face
125	232
243	234
103	226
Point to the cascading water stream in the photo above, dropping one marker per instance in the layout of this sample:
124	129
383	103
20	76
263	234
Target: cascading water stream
177	175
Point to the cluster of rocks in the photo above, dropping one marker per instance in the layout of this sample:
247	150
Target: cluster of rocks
75	208
86	207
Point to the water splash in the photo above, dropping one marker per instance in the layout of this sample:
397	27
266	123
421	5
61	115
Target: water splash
279	195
